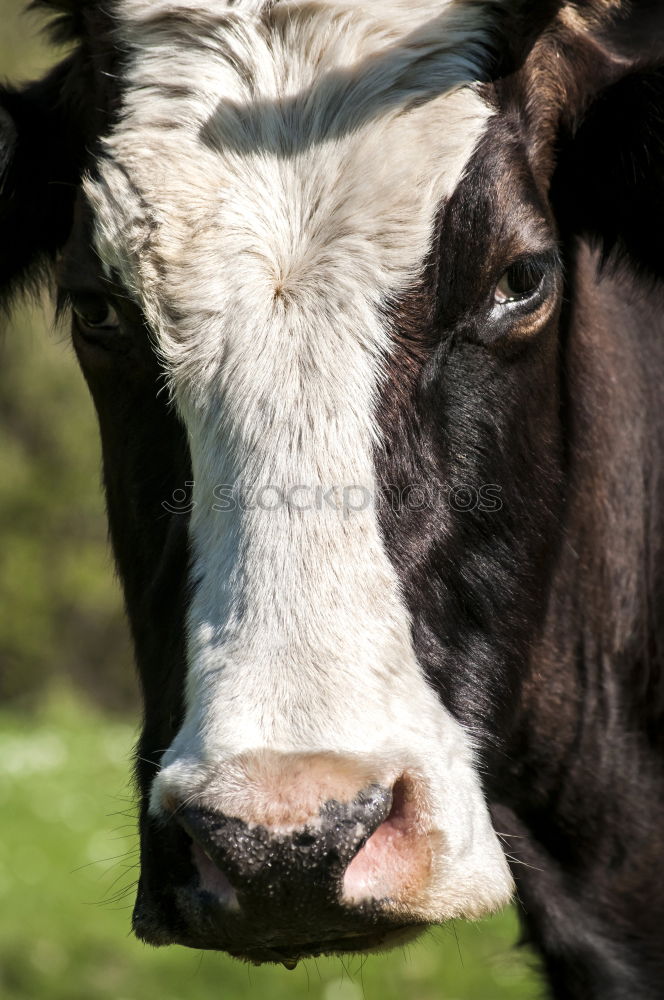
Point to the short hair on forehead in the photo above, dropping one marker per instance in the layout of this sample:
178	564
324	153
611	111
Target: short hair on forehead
270	89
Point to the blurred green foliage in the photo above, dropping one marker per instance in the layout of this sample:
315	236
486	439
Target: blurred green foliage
60	608
68	840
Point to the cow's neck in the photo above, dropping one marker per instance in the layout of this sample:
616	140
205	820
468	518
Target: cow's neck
587	795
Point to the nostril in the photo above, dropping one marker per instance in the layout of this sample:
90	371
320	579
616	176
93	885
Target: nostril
402	797
396	857
212	879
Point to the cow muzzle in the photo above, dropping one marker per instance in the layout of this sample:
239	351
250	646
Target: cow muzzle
285	856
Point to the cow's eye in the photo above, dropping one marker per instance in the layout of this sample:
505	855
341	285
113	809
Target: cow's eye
95	313
520	281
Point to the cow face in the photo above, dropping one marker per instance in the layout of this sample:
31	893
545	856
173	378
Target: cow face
316	283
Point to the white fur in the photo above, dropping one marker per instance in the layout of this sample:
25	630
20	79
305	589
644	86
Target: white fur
262	216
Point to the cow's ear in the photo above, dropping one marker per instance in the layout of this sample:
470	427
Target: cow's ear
40	165
608	183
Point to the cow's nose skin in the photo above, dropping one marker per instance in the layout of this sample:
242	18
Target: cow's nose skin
293	872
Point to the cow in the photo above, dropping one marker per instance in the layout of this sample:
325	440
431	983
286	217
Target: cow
369	301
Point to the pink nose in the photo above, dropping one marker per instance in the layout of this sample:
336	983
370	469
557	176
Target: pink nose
298	833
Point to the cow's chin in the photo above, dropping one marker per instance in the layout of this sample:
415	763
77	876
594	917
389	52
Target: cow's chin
358	944
288	953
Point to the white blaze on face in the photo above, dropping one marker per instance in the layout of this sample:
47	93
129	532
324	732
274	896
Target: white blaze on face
272	182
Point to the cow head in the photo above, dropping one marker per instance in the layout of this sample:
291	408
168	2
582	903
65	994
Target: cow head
316	259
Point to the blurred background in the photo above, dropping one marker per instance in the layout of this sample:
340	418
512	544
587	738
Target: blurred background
69	713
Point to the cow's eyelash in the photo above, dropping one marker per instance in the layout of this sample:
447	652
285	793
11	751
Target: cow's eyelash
536	265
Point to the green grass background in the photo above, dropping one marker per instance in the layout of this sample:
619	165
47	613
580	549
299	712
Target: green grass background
67	826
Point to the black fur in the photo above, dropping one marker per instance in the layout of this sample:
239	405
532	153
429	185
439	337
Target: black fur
41	151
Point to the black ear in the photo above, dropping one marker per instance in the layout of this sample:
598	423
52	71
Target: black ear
609	181
609	184
41	153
